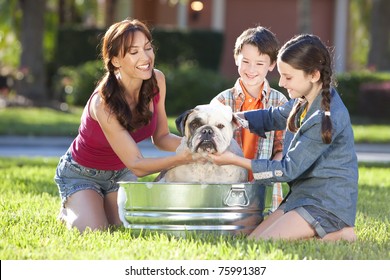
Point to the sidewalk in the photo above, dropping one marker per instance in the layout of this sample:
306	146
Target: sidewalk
373	152
19	146
14	146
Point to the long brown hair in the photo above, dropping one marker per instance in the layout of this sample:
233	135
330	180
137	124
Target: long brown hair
117	40
307	53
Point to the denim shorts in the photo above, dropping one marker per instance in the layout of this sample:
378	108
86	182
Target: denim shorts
322	221
72	177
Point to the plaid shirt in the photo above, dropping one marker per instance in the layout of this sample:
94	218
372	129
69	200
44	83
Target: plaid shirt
266	147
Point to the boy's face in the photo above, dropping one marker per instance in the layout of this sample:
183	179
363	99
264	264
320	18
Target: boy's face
253	66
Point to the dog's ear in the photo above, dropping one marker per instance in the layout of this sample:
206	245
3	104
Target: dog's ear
181	121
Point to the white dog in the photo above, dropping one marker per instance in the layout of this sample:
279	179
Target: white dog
207	129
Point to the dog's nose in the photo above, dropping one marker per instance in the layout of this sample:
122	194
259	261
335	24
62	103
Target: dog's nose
207	131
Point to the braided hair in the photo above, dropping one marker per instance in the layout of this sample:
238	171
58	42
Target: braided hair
307	53
117	40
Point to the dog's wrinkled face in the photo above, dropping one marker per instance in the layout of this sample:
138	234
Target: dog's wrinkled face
208	128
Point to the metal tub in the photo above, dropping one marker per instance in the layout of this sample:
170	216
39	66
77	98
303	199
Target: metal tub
180	208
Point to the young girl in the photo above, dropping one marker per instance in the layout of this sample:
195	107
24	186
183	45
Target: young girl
319	161
127	107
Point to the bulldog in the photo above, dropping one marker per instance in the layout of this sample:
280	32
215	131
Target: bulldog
207	129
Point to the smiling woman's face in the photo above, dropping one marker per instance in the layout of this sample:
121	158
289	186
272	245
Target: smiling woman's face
138	62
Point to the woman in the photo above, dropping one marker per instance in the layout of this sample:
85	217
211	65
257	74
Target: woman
319	161
126	107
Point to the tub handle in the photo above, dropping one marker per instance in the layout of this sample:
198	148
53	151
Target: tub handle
237	196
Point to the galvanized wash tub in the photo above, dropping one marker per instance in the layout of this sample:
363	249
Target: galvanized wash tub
181	208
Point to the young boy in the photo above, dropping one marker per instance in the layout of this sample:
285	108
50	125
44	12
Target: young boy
255	54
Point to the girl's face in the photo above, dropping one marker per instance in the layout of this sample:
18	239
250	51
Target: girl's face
253	66
297	82
138	62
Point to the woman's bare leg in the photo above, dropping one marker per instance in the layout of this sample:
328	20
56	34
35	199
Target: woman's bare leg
84	209
111	209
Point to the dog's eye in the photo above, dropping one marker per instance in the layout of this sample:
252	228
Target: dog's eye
220	126
194	125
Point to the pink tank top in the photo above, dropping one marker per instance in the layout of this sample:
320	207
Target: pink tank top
91	148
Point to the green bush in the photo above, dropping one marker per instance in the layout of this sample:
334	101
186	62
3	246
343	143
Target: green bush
74	85
76	46
350	87
189	85
175	47
190	65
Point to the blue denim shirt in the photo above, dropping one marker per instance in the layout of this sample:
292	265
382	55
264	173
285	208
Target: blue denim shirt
324	175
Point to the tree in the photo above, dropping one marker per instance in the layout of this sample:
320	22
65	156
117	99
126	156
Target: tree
32	82
110	8
304	16
379	54
68	12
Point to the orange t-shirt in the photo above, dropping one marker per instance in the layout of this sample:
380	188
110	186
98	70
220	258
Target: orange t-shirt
249	140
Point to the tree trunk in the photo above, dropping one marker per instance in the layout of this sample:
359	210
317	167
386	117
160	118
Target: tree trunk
61	12
304	16
379	54
32	83
110	15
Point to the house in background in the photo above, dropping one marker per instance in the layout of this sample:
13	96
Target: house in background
326	18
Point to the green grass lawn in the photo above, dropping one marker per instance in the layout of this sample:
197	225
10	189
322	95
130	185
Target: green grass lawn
39	122
29	203
47	122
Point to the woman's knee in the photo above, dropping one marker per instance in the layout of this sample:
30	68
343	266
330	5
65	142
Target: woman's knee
85	209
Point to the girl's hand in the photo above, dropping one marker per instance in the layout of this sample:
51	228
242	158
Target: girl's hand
222	159
240	119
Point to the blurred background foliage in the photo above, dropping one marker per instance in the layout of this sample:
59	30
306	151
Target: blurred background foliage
71	46
360	18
